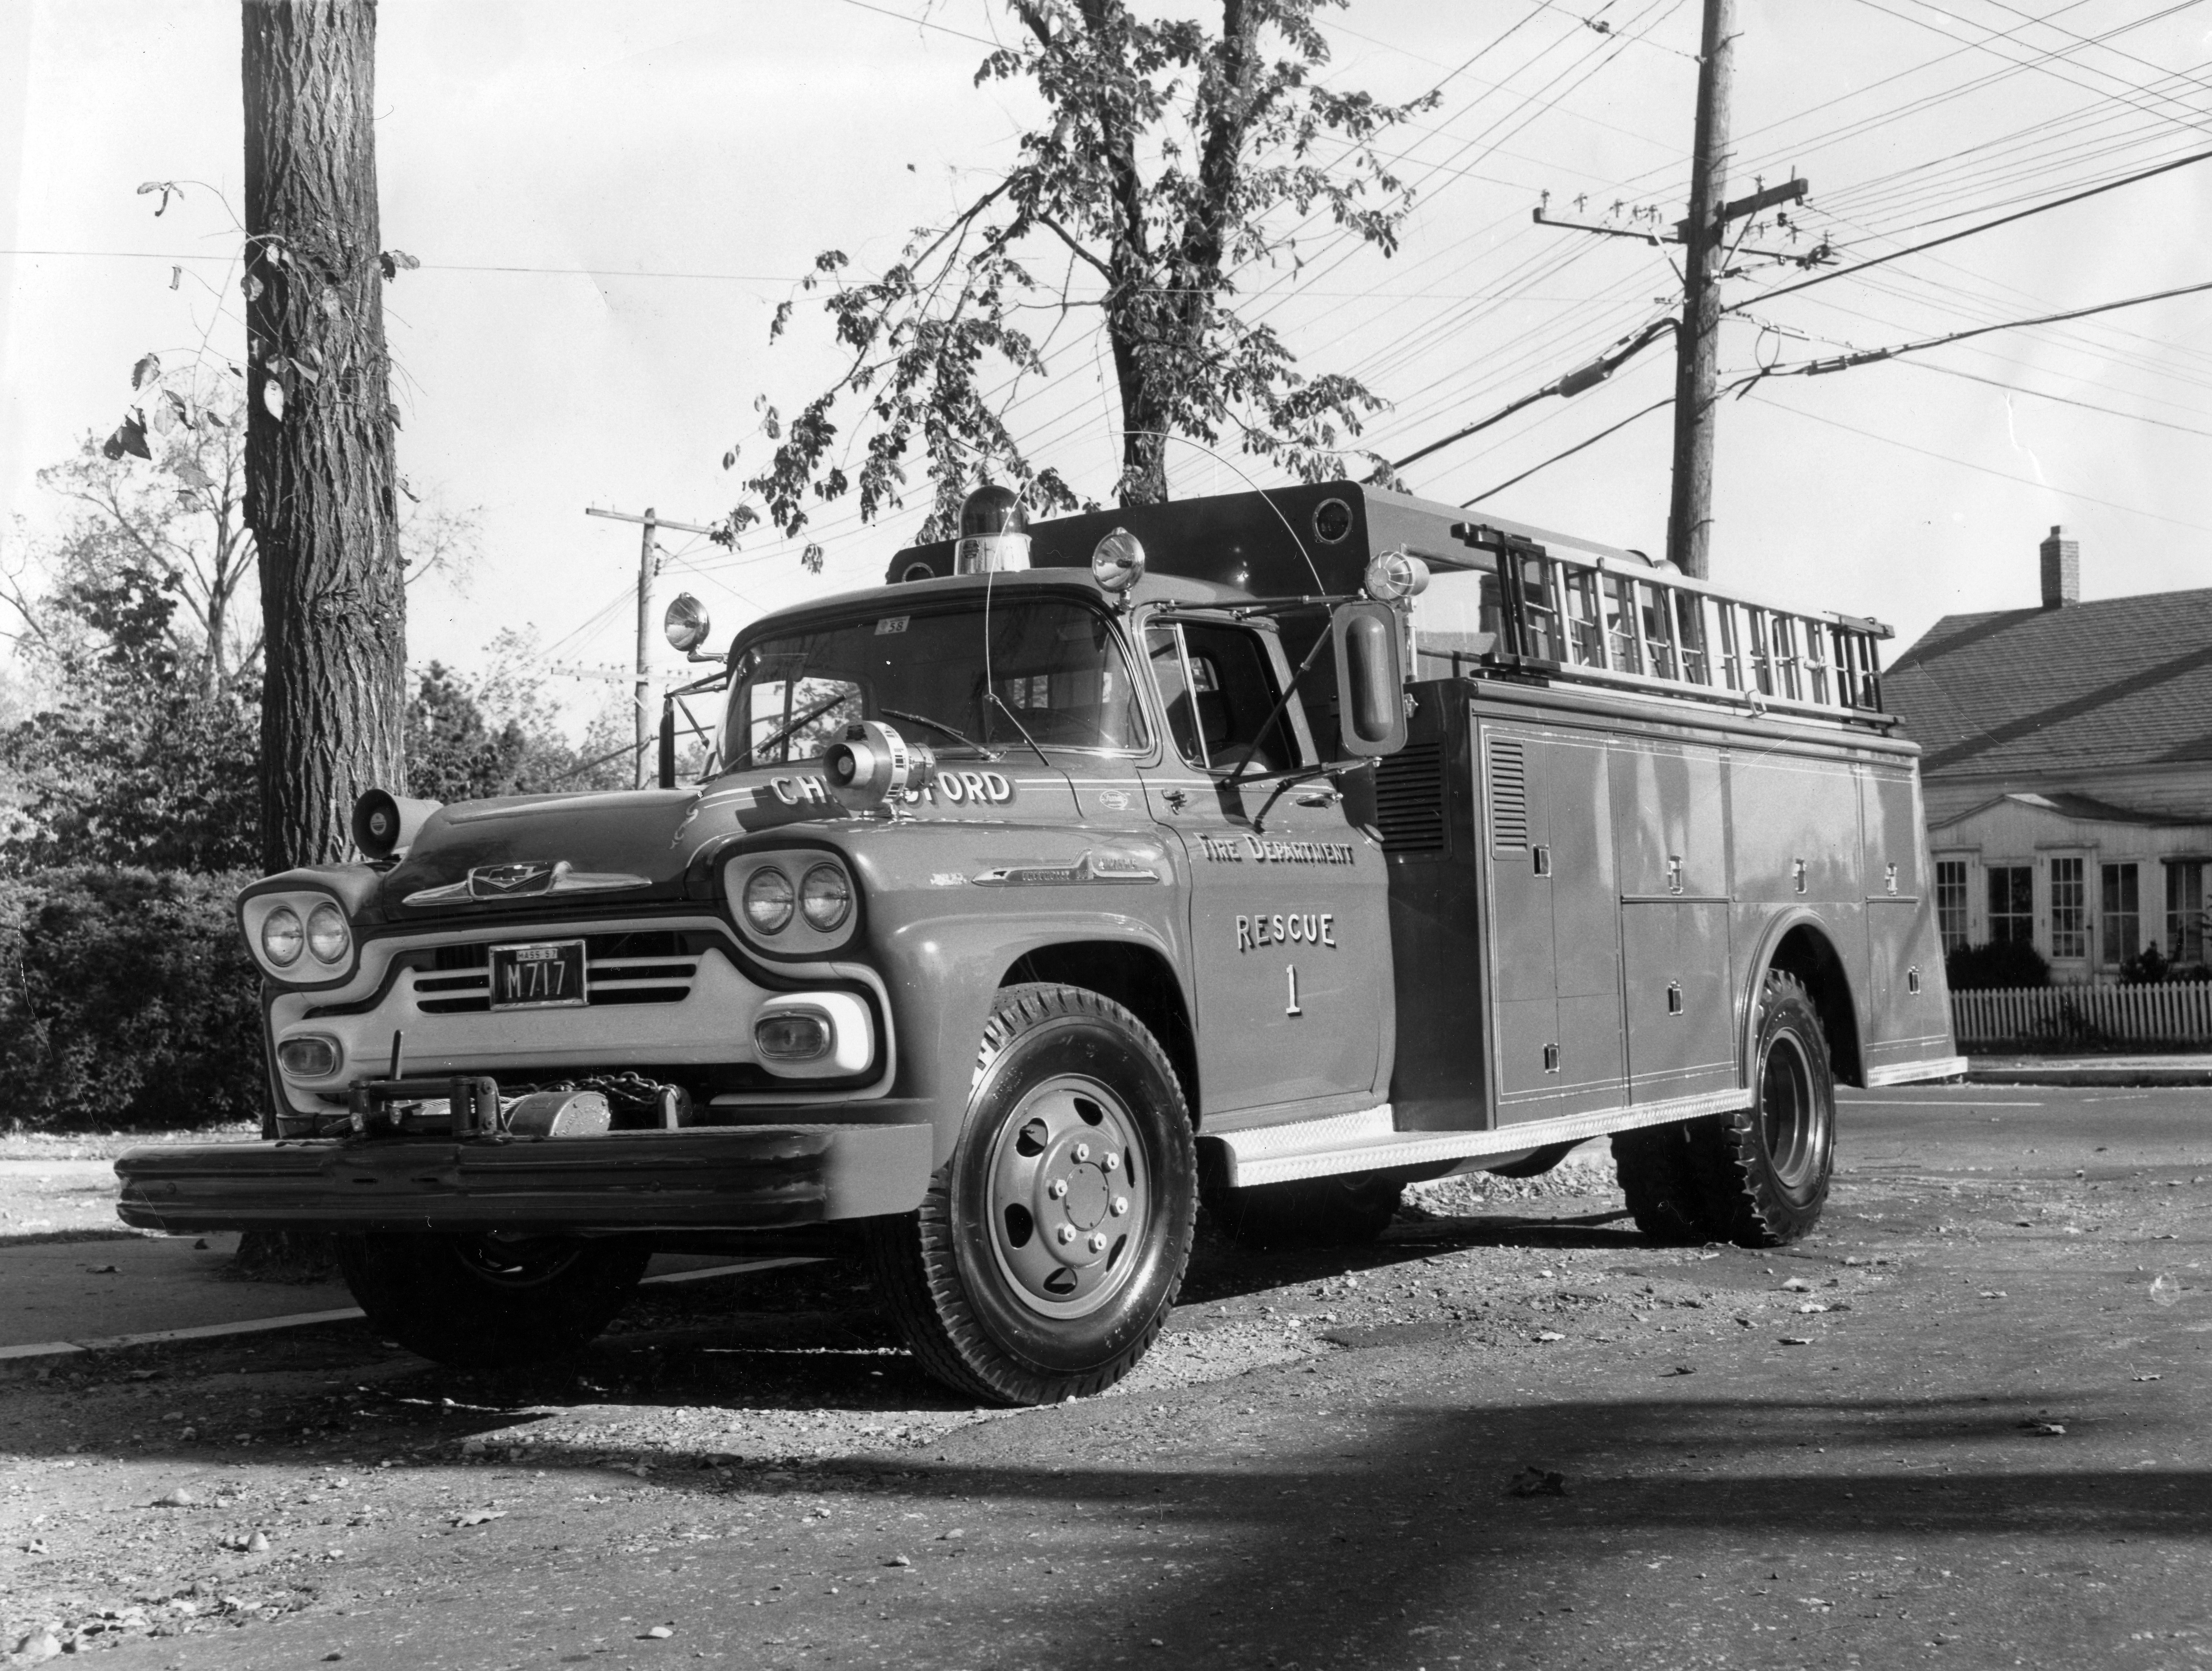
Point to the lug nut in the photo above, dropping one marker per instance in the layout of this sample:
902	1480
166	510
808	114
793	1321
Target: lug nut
1121	1205
1066	1234
1097	1242
1057	1188
1111	1160
1083	1151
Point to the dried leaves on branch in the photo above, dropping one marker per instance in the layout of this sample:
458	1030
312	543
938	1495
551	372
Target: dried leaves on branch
1178	171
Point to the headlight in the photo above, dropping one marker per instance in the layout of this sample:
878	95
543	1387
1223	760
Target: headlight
327	935
281	936
826	897
768	900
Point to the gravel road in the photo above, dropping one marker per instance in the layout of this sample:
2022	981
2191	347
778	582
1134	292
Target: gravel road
1963	1424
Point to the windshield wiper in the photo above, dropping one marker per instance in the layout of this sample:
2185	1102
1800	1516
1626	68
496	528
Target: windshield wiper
1020	727
806	718
939	725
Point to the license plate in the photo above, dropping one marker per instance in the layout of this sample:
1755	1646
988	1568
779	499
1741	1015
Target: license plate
546	976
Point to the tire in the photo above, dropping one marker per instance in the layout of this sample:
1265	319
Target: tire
1763	1171
486	1302
1044	1258
1346	1211
1656	1174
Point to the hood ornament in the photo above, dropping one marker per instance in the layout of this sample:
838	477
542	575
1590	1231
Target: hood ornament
528	879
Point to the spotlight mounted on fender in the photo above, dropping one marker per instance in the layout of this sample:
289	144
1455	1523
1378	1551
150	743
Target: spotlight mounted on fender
686	623
1117	562
995	532
872	764
384	825
1394	576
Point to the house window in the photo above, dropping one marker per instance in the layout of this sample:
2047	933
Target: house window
1951	901
2069	909
2012	903
2122	914
2185	911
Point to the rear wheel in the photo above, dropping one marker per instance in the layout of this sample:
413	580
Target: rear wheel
1653	1164
482	1302
1044	1258
1764	1171
1346	1211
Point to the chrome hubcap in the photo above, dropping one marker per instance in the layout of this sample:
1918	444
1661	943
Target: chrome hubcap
1071	1202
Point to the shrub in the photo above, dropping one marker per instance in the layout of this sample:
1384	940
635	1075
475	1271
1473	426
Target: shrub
2001	963
127	1001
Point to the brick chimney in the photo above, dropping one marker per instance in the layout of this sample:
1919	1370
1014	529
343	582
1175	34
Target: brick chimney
2062	570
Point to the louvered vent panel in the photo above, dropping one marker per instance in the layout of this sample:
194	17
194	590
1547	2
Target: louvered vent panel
1409	799
1508	794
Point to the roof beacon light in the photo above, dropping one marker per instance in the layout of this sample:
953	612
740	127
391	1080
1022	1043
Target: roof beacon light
1117	562
995	532
686	623
872	764
1394	576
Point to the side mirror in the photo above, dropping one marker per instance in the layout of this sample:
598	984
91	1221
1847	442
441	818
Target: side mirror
1370	678
667	773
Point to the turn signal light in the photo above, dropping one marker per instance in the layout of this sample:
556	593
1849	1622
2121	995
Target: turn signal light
313	1057
795	1036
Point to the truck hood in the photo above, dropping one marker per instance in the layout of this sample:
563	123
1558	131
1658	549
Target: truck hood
638	847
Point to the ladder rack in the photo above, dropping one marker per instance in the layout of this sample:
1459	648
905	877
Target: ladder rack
1598	622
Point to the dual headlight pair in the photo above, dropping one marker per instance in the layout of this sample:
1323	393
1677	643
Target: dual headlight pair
824	897
324	935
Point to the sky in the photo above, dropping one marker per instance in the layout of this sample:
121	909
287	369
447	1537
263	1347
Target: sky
611	197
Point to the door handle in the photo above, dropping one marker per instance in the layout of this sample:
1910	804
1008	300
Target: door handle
1673	998
1175	798
1542	856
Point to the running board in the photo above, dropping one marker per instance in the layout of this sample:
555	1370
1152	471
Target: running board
1913	1073
1368	1142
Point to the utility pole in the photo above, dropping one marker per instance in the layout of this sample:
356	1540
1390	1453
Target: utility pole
647	566
1696	345
1702	234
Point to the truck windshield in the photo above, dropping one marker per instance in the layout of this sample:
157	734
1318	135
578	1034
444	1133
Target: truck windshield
1051	672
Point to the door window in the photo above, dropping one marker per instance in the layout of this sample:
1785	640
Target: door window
2121	885
2012	903
1219	688
2070	909
1951	901
2185	911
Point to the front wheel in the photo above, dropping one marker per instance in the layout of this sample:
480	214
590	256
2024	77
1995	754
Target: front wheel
489	1301
1044	1260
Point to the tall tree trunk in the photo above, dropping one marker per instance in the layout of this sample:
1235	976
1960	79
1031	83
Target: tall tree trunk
319	474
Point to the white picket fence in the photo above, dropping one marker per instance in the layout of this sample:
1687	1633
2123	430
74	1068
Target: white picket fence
2176	1012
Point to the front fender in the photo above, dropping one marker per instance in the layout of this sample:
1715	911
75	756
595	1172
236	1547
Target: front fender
944	974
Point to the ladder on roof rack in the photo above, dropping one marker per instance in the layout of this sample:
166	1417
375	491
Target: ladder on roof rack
1593	621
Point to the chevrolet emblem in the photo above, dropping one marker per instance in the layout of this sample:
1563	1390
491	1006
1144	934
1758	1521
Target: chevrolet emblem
517	881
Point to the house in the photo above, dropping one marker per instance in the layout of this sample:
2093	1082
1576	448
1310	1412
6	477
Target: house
2067	768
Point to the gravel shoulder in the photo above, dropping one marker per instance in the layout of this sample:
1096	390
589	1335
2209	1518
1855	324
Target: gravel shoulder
1511	1431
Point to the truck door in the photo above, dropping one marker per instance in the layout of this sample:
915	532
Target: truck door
1289	924
1908	1005
1554	927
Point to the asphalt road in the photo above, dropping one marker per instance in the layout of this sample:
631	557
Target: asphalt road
1970	1431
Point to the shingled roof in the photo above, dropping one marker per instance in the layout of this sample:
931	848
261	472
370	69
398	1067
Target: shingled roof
2119	682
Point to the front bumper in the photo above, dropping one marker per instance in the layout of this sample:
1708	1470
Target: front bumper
740	1177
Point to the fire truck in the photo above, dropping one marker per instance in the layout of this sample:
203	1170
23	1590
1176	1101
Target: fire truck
1268	851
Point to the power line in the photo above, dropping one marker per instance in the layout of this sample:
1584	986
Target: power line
1845	362
1965	464
1489	493
1968	232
